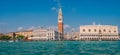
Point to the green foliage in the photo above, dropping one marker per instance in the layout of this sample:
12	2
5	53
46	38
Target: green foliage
20	37
5	37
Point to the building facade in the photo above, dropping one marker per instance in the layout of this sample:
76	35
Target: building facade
44	34
99	32
1	34
52	35
28	33
71	36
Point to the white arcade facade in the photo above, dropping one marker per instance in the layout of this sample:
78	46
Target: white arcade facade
99	32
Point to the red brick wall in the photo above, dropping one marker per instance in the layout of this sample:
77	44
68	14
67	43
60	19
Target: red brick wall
60	27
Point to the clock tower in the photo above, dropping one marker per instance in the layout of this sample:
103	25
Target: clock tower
60	24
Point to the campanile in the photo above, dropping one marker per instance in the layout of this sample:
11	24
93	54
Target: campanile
60	23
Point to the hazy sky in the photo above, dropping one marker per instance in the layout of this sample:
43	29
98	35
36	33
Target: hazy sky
26	14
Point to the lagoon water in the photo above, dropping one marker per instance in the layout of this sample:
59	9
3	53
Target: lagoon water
61	48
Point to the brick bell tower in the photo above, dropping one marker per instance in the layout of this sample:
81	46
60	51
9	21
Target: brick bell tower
60	24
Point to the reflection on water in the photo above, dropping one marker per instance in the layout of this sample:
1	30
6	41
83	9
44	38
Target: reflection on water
61	48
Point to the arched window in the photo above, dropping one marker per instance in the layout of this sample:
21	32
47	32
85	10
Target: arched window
60	19
50	34
95	30
104	30
109	31
100	31
114	30
83	30
89	30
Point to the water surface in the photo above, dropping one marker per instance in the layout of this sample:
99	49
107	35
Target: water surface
61	48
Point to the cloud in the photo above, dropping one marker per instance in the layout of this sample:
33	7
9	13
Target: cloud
77	29
25	28
53	27
58	4
31	28
67	26
54	8
20	28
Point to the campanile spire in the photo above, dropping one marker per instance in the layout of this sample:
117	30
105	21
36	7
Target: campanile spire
60	17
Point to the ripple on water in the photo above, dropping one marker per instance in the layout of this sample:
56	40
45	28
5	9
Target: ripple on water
61	48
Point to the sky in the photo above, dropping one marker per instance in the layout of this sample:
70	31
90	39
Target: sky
16	15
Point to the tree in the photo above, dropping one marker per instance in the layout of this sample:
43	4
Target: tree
5	37
20	37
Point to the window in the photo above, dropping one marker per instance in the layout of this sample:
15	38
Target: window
83	30
115	31
50	34
104	30
60	19
109	31
89	30
100	31
95	30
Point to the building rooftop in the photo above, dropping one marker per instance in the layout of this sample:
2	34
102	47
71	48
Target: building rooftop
1	34
97	25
